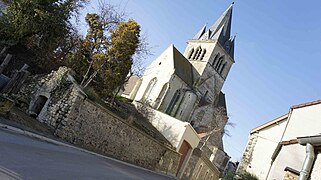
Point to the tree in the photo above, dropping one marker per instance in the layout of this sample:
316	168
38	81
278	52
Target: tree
107	50
42	26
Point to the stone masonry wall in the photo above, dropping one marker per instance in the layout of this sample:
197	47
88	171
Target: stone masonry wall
95	128
199	167
82	122
247	155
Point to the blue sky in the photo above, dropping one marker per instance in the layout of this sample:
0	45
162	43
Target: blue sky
277	52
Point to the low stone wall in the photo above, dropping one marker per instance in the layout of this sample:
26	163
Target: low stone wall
95	128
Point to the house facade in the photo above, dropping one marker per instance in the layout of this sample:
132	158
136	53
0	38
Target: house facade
184	91
287	147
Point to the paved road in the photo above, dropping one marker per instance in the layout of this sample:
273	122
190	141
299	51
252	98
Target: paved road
23	157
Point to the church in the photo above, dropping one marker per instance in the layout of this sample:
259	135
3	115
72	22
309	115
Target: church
185	88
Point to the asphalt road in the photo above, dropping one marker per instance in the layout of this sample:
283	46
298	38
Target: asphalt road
23	157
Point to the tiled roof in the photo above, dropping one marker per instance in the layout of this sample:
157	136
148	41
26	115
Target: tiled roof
274	121
306	104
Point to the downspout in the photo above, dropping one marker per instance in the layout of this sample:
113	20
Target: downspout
307	165
309	142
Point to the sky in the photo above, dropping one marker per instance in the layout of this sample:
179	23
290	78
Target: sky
277	52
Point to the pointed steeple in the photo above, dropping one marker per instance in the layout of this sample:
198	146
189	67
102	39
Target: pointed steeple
220	31
225	21
201	32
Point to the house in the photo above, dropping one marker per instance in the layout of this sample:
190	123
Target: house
184	92
287	147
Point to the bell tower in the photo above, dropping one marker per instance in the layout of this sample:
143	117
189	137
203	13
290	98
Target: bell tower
211	50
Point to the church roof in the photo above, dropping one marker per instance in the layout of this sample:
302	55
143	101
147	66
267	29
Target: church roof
183	68
220	31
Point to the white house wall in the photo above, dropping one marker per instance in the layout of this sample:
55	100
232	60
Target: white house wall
267	141
316	171
305	121
290	156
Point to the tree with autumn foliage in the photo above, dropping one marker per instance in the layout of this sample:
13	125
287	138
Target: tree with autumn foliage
105	56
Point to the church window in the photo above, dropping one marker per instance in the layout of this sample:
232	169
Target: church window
222	68
149	89
172	107
218	65
206	175
191	53
197	53
161	95
199	171
216	59
203	54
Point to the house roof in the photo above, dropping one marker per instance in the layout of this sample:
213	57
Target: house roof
268	124
183	68
306	104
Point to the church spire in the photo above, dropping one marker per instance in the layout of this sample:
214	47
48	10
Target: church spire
201	32
224	21
220	31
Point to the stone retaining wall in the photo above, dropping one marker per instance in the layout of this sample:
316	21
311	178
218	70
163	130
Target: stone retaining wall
80	121
95	128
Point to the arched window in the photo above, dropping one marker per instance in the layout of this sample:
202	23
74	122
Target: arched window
173	105
205	177
215	61
197	53
220	61
199	171
149	89
203	54
191	53
222	68
161	95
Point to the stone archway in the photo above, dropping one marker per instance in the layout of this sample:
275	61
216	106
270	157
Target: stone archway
38	105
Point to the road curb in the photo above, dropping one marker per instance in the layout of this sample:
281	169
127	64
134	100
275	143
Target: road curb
34	135
6	173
